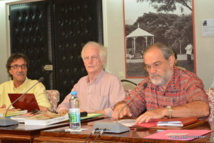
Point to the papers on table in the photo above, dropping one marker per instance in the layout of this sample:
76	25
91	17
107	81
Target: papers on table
170	123
11	112
127	122
162	123
46	119
179	134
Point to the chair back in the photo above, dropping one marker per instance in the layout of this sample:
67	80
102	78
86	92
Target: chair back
128	86
53	97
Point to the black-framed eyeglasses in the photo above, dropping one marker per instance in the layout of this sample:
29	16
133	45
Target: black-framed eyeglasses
23	66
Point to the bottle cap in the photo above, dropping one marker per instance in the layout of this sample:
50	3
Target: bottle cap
74	93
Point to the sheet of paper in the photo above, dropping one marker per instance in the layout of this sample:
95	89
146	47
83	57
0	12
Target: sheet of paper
127	122
208	27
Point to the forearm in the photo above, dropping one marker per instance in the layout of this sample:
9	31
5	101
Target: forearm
193	109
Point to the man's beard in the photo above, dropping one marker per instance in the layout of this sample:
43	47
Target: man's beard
158	79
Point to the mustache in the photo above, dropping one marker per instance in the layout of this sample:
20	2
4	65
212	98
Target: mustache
154	75
20	73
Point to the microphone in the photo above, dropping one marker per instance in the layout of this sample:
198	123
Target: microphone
8	122
116	127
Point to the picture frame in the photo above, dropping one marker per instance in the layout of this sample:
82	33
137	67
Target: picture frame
147	22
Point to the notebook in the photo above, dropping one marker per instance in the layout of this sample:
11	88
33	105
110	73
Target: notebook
27	102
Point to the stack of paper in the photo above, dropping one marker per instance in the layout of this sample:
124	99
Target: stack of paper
177	122
46	118
170	123
11	112
21	118
162	123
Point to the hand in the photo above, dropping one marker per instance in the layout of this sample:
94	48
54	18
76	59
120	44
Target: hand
125	112
3	106
152	114
62	112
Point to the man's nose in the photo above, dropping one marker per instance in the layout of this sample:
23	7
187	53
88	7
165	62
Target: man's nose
152	70
90	60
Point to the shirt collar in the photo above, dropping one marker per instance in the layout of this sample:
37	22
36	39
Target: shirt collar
24	83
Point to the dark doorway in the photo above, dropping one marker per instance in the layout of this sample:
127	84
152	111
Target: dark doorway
52	33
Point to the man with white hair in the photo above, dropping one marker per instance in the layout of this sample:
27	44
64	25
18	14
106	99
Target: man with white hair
99	90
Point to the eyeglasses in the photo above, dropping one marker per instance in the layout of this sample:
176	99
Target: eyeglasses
156	65
23	66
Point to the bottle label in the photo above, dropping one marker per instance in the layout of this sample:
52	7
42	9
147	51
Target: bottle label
74	115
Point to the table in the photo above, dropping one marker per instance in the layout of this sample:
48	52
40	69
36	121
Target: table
133	136
24	133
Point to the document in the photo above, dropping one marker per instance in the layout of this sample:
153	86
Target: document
161	123
46	119
11	112
185	135
177	122
170	123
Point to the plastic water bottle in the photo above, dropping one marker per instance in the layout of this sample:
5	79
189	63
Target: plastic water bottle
74	112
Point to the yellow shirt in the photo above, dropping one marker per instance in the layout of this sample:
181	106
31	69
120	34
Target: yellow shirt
38	91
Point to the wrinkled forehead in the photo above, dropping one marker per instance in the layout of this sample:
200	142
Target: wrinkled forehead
91	50
153	55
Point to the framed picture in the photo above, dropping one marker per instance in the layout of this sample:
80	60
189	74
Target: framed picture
150	21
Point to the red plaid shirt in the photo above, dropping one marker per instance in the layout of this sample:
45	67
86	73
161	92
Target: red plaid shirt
183	88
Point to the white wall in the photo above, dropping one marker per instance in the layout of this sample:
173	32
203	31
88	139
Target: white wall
114	39
4	51
113	36
204	9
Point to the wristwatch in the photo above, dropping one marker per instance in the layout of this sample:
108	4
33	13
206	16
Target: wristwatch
169	111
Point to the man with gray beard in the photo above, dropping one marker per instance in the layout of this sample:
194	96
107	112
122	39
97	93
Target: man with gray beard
169	91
